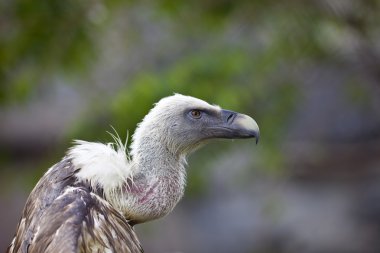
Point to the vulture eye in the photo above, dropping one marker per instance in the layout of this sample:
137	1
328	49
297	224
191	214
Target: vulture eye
196	114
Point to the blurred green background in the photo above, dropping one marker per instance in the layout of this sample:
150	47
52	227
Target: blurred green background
307	71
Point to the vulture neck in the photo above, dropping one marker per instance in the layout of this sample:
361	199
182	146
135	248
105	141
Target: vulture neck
158	179
154	153
153	160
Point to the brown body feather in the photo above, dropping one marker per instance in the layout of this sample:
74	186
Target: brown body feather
62	215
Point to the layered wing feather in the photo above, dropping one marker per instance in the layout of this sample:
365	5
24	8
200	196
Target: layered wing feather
62	215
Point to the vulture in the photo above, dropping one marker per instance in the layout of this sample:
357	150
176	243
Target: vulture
91	199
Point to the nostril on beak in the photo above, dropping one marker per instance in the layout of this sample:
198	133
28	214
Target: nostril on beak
230	118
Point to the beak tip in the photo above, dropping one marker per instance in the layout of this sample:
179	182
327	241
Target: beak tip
257	136
247	124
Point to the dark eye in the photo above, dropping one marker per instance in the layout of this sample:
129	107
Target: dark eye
196	114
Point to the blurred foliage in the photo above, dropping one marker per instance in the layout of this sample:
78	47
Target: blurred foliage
252	71
39	39
250	56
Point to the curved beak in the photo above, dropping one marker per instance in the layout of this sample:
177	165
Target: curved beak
235	126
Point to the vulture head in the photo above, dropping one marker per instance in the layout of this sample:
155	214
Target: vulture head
180	124
90	200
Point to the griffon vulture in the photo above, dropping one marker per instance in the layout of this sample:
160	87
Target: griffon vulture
92	198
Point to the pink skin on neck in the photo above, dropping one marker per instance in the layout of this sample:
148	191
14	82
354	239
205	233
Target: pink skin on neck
148	193
139	190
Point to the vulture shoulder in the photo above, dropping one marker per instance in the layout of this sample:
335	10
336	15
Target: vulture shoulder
64	216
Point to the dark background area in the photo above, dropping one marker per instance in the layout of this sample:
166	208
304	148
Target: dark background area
307	71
